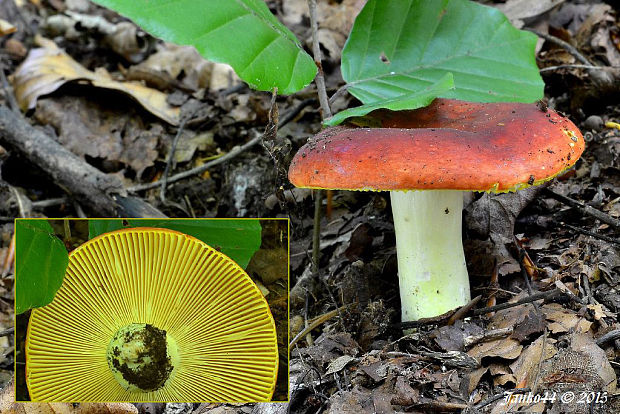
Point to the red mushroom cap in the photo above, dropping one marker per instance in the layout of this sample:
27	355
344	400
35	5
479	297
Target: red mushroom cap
449	145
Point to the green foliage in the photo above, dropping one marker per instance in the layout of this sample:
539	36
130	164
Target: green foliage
242	33
238	239
399	47
41	263
412	100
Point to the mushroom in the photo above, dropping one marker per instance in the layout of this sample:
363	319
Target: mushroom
149	314
444	149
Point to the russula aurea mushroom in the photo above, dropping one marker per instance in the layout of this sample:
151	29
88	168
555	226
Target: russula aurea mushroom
148	314
444	149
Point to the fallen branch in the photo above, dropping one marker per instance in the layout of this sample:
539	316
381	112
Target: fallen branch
83	182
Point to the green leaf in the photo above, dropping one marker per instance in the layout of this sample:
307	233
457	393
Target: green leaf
41	264
401	46
238	239
413	100
242	33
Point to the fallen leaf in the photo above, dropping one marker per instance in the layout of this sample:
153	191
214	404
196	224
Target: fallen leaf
358	400
339	364
519	10
269	264
594	34
88	127
48	68
404	393
531	324
172	64
506	348
493	216
598	311
472	378
525	368
564	320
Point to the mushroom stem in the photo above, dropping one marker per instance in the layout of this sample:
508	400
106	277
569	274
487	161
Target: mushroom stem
431	263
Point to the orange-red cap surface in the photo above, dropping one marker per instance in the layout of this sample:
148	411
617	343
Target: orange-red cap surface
449	145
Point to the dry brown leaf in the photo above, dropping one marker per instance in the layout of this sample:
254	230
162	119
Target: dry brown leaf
269	264
525	368
519	10
472	378
358	400
88	128
564	320
48	68
595	34
506	348
6	28
173	63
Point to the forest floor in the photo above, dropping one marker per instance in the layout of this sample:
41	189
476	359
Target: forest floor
559	244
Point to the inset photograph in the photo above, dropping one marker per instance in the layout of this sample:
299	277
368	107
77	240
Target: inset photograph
113	310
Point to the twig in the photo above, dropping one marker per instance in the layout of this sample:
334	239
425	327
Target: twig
200	169
309	339
588	292
326	113
487	336
78	210
341	91
608	337
604	68
20	203
523	256
71	173
464	310
438	406
49	202
439	319
592	234
560	285
448	318
233	89
316	230
569	48
316	322
584	208
316	51
173	148
232	154
7	331
536	296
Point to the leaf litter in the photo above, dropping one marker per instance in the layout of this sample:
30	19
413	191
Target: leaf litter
359	360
